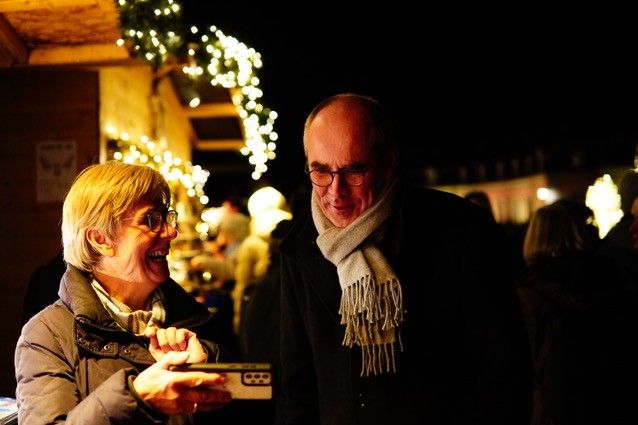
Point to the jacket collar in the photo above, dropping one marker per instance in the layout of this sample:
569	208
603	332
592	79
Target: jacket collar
76	292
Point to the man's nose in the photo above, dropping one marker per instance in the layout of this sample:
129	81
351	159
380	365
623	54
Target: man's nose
338	183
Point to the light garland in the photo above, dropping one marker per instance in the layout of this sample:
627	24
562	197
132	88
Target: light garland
603	199
153	31
148	152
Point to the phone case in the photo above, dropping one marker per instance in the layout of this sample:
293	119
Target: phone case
245	381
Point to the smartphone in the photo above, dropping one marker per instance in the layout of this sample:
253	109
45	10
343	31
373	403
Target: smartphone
245	381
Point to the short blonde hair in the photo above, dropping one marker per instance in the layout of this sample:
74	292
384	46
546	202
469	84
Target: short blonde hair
100	197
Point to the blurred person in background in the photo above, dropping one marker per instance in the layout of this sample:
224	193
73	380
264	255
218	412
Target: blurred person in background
234	204
259	326
101	353
219	263
220	257
43	285
397	303
618	244
480	198
254	256
581	320
619	234
585	219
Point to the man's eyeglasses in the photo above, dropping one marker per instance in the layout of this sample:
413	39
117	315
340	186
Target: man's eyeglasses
324	178
155	219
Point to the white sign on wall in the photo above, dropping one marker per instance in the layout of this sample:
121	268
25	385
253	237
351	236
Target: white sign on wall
55	169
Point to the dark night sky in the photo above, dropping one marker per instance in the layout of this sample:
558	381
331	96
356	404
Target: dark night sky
461	84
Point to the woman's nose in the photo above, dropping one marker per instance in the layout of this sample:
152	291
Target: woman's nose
168	231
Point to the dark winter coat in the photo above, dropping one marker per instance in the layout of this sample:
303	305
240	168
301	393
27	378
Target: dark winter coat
464	358
582	323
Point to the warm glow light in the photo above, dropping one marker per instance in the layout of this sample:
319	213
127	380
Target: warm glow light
603	198
546	195
213	216
264	199
265	221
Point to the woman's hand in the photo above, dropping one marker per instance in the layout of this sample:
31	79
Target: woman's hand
161	341
174	393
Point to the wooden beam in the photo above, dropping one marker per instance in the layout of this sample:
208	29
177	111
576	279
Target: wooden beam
173	105
212	110
87	53
26	5
219	144
13	51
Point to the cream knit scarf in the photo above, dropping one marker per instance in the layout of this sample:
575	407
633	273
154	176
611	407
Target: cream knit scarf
371	299
134	321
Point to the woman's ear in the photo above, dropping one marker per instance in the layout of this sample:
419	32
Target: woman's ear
98	241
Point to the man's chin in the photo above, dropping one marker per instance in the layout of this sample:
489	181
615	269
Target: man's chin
340	221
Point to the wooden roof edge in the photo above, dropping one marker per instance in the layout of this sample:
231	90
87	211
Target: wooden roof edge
219	144
28	5
13	51
80	54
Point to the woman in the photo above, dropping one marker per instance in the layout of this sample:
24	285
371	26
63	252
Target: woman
101	353
580	320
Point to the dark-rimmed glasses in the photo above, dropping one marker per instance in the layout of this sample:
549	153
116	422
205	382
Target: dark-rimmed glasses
324	178
155	219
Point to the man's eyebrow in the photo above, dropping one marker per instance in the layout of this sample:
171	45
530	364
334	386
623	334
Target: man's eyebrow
355	166
316	164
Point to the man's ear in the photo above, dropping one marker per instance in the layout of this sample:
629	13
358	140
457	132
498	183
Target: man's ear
98	241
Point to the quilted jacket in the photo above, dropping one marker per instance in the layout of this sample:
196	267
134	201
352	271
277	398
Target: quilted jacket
73	361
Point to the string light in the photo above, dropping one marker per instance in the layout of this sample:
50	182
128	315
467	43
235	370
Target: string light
152	29
145	151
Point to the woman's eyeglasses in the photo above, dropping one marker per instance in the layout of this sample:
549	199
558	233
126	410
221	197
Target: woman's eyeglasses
155	219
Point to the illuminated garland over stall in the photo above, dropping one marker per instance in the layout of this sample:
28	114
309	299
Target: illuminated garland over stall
147	152
153	30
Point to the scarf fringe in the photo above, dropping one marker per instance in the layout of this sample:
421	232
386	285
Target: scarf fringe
373	314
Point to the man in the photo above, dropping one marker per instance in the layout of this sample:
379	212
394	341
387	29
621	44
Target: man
396	303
